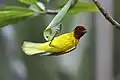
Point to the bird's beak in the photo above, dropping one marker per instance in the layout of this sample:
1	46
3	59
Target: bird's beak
85	31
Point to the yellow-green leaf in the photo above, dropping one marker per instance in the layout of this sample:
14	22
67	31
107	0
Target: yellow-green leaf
83	7
13	14
28	1
54	26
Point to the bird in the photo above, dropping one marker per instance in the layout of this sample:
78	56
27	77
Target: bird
61	44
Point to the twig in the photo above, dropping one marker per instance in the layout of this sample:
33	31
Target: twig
106	15
54	12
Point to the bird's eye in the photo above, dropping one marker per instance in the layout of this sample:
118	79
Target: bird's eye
46	36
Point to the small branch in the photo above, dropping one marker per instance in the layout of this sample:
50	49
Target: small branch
106	15
54	12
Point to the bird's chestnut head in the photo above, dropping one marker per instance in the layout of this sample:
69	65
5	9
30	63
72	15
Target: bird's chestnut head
79	31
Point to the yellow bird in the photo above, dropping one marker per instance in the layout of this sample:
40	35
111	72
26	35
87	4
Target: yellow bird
59	45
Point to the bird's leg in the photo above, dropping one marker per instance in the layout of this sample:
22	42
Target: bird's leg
57	31
60	28
50	44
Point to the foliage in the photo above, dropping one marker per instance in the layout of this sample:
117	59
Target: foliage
83	7
28	1
14	14
54	26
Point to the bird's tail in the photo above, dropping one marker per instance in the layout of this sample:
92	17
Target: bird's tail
31	48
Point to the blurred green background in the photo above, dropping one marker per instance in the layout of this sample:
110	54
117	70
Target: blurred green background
96	57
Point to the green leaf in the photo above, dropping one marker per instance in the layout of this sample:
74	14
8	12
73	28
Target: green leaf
49	33
28	1
38	7
83	7
53	27
13	14
35	5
